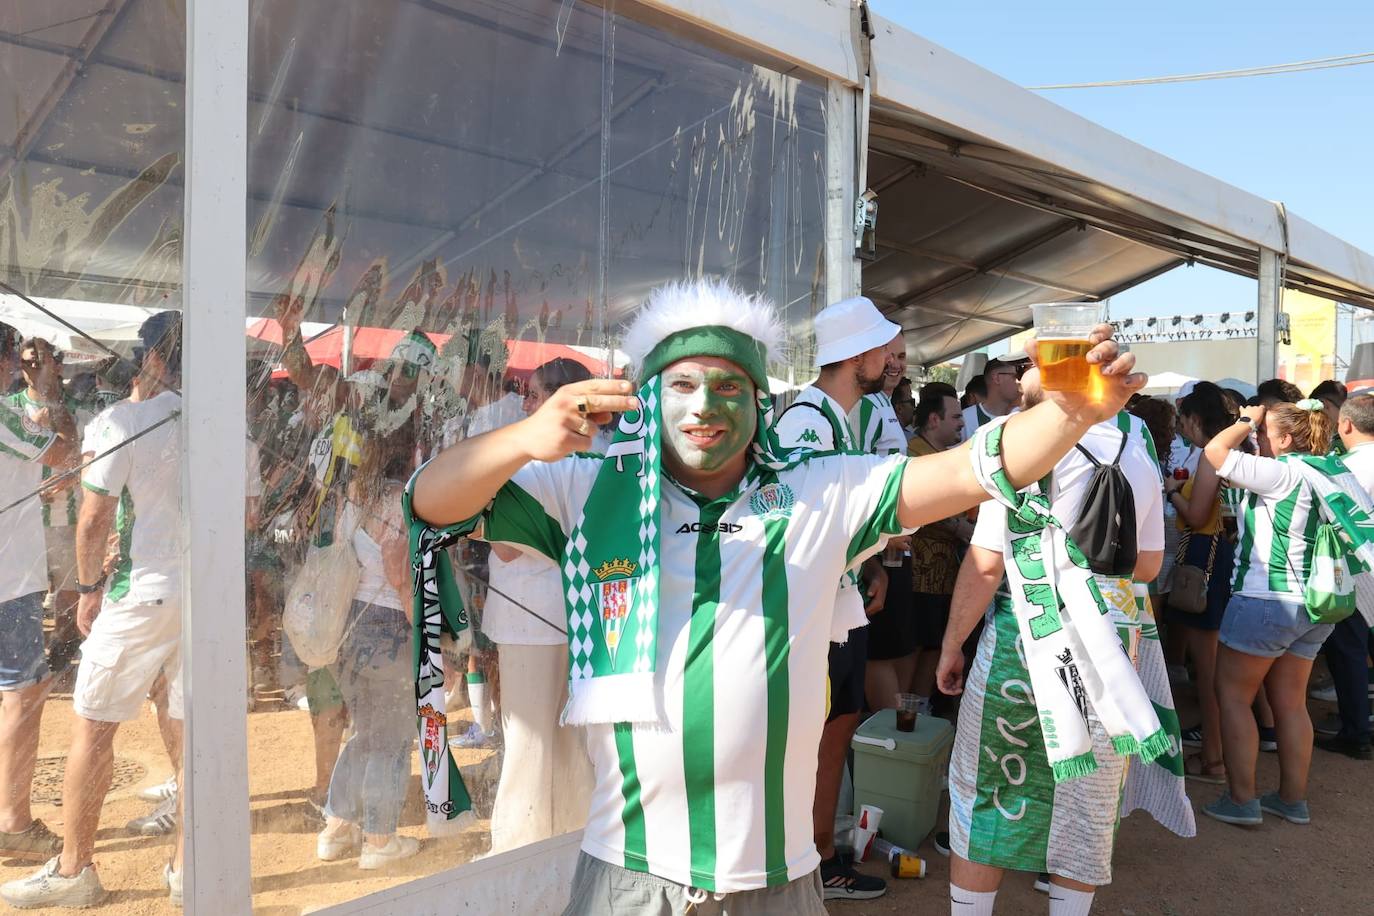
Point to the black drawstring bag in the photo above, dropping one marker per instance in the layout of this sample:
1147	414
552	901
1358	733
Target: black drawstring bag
1105	530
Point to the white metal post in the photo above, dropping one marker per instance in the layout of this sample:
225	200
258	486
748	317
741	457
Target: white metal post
842	277
1267	324
214	250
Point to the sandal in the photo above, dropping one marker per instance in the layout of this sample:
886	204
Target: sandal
1194	767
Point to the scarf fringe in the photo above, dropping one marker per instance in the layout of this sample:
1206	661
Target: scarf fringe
611	698
1157	745
1083	765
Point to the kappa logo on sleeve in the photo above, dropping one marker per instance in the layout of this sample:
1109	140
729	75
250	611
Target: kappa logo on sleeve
810	436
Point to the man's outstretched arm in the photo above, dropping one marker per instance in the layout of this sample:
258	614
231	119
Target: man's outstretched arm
938	486
462	479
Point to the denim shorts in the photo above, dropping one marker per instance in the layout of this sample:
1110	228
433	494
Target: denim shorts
1268	628
22	659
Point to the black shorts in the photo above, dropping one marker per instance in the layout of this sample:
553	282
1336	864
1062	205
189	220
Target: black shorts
892	631
932	616
847	662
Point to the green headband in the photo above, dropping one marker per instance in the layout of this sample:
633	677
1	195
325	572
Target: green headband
709	340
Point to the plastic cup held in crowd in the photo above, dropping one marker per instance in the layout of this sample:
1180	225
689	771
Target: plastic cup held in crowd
1061	340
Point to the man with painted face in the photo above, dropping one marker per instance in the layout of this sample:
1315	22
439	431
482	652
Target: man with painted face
855	348
700	561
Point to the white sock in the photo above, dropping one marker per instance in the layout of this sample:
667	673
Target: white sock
1065	901
477	696
970	903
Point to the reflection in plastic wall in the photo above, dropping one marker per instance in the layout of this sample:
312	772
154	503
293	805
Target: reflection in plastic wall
453	207
90	464
430	259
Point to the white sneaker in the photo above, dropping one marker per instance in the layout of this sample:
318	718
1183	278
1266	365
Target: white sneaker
173	880
160	792
396	848
333	847
473	737
161	821
46	887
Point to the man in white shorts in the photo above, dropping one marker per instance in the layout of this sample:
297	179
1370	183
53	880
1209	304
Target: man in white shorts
28	444
716	584
131	613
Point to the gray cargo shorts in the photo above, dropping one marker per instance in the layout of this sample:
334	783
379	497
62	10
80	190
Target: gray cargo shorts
602	889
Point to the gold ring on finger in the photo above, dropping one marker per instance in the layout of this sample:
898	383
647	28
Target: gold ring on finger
584	428
582	406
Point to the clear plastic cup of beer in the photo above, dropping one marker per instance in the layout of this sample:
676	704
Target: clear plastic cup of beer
1061	341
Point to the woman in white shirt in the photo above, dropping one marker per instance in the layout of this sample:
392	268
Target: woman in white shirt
371	776
546	776
1267	638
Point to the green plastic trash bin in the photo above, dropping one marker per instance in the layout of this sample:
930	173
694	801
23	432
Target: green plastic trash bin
902	773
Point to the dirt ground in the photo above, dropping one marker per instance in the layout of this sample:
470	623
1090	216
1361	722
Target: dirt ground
1319	870
1278	868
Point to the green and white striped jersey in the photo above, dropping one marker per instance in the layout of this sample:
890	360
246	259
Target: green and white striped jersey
719	796
61	512
816	421
145	475
879	431
1277	524
22	442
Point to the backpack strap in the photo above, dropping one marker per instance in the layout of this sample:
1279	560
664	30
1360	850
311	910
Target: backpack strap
1087	454
1125	436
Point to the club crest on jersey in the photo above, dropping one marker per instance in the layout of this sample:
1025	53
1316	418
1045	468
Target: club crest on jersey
772	500
432	738
613	598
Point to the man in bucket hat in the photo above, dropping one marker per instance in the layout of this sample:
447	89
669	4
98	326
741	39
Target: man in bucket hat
699	558
853	351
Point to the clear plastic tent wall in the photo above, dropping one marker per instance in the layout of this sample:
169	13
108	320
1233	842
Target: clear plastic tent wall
453	207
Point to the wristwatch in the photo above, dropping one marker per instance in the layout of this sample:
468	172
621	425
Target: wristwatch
1248	421
95	586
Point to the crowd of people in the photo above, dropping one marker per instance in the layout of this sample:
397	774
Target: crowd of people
673	641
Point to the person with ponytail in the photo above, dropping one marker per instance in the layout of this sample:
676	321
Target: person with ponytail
1203	544
1267	638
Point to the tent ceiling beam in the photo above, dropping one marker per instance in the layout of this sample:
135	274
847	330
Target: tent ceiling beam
32	127
994	263
931	254
893	307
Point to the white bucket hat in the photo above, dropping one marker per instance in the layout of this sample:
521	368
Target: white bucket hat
850	327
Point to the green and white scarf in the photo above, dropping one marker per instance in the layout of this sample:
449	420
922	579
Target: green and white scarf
611	567
436	609
1072	651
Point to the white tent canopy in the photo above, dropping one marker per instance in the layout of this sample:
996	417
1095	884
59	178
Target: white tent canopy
1167	382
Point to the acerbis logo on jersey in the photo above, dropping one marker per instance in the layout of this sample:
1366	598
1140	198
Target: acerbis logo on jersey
710	527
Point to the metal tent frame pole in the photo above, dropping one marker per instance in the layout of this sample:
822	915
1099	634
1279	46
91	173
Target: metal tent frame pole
217	874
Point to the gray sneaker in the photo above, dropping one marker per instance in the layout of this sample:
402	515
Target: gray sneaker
1226	810
161	821
1296	813
45	888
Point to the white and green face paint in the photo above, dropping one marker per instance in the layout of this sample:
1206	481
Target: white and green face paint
709	413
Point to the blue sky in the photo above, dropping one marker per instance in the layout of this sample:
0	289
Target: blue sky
1306	139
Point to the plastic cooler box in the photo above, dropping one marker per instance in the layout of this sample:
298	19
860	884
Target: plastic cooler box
902	773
